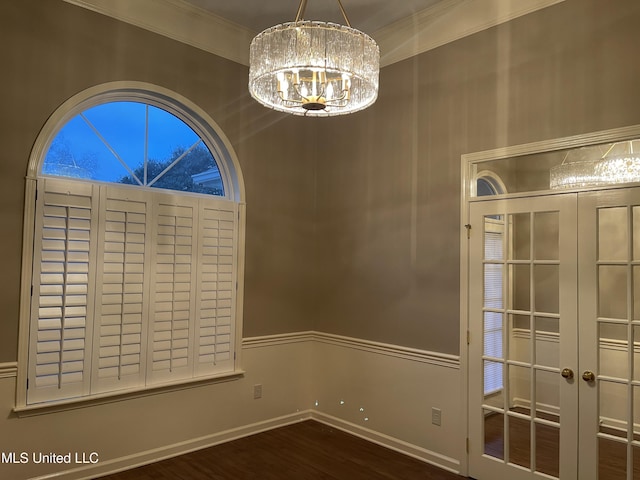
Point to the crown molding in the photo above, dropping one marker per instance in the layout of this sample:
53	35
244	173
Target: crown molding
445	22
181	21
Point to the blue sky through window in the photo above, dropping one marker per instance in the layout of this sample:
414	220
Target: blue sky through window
95	144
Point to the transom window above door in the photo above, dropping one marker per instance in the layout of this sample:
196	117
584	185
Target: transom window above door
134	143
610	159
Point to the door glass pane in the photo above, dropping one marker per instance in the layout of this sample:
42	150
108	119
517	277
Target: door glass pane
493	334
548	449
519	441
493	234
613	408
636	291
547	342
493	285
636	413
520	287
546	235
494	434
636	462
612	291
493	379
519	388
520	224
636	353
612	350
547	394
612	460
612	234
546	287
636	234
519	338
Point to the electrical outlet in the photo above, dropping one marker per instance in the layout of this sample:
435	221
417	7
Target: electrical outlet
257	391
436	416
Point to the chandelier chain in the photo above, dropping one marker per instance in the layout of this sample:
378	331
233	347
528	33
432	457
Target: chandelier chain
303	6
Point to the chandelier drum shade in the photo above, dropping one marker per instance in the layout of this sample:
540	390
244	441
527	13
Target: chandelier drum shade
314	68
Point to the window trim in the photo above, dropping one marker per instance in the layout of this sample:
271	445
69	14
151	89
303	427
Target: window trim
496	183
498	226
230	171
191	114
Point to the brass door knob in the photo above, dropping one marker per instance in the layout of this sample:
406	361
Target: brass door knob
588	376
567	373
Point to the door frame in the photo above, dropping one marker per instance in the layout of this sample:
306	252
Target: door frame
471	164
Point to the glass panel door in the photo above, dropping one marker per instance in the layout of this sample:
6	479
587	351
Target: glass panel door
523	330
610	334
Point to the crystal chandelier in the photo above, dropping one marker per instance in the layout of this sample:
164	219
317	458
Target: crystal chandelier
314	68
611	169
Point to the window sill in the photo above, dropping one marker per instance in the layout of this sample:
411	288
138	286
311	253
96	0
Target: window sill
121	395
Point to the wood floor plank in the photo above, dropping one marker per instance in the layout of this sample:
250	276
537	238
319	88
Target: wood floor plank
304	451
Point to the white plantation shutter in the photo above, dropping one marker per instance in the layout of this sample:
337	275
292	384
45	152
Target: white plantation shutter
218	240
174	282
131	288
121	283
61	320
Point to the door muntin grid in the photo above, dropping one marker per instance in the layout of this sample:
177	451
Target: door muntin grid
526	410
618	340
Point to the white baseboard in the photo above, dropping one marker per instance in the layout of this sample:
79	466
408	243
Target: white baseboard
540	407
619	425
427	456
151	456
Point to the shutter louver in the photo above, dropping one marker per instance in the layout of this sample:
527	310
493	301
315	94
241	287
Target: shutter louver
217	289
172	336
121	281
61	302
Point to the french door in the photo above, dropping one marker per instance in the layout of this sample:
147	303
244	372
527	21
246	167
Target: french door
554	378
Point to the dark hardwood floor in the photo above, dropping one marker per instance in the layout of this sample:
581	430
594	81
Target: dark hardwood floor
304	451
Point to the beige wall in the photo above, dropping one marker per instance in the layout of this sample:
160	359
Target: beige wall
146	428
53	50
352	222
389	181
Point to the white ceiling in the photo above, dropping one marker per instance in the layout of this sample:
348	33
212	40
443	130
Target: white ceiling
402	28
365	15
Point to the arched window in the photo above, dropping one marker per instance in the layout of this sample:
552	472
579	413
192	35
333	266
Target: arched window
133	143
136	236
488	183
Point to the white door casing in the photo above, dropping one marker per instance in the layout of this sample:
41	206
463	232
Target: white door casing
598	281
534	395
